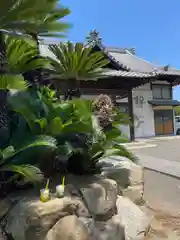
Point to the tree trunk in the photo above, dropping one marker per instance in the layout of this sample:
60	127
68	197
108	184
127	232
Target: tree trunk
39	71
4	119
73	89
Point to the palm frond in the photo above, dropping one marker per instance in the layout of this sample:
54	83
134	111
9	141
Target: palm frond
11	81
77	62
22	56
29	172
38	17
38	141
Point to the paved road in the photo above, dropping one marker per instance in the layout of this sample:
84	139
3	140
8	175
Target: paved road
168	149
163	157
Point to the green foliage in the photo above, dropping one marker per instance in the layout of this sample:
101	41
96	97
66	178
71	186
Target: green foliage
22	56
177	110
76	62
80	138
37	17
17	159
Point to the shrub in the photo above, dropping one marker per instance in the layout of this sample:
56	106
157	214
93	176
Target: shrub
103	108
81	138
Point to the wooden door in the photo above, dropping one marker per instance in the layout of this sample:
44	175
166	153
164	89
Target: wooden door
168	122
158	122
163	120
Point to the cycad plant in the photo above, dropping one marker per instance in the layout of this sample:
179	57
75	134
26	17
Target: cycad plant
21	59
75	63
18	163
90	147
80	138
30	16
20	18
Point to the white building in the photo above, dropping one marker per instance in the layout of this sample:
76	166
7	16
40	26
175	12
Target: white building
142	89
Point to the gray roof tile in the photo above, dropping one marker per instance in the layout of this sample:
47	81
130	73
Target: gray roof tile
133	62
120	73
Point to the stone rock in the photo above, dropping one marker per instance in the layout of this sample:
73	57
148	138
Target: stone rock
135	221
90	224
104	230
112	229
5	206
32	219
2	235
100	198
134	193
69	227
123	171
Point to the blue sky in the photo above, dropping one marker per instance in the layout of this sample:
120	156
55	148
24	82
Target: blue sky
152	27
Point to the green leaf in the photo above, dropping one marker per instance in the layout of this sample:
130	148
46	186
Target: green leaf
55	127
77	62
29	172
8	152
13	82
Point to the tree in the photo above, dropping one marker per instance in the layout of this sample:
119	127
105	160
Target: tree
74	63
177	110
30	16
21	58
20	18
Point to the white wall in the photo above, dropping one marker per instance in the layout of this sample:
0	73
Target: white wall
144	123
144	115
144	127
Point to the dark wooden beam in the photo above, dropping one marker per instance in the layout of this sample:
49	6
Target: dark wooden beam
120	92
131	114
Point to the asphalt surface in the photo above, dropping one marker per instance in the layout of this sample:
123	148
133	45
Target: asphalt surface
168	149
164	156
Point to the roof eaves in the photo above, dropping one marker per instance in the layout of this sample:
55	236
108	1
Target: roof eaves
111	58
159	102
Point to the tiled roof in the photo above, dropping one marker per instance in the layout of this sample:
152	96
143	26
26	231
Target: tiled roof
120	73
132	62
134	65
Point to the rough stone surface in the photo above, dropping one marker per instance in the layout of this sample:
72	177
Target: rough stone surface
125	173
134	193
100	198
5	206
90	210
112	229
90	224
104	230
69	227
34	218
135	221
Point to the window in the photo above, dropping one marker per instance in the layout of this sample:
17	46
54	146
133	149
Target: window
166	92
161	92
123	107
156	92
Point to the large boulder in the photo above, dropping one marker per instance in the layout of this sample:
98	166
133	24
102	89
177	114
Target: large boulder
135	193
100	198
135	221
123	171
69	227
98	193
104	230
90	210
112	229
32	219
5	206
